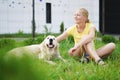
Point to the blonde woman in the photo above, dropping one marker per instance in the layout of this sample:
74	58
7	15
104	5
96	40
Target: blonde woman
83	33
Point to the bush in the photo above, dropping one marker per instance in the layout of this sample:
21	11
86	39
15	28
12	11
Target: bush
29	41
99	34
47	30
39	39
7	42
20	32
108	38
62	27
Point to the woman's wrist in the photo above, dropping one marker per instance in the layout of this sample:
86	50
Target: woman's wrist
76	46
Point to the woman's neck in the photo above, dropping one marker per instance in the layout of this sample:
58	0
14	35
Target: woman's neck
80	27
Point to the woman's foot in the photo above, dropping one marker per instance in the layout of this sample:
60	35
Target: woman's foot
85	58
100	62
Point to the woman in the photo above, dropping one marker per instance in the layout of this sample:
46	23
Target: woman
83	33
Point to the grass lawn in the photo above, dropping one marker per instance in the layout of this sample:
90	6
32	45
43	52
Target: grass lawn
29	68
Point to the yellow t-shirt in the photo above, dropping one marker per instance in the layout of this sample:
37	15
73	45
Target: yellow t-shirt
76	35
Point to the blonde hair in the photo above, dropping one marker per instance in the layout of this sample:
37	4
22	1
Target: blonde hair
85	13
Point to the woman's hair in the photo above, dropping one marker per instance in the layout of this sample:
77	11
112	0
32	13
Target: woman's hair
84	13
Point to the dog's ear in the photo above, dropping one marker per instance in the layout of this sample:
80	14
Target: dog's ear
57	46
43	43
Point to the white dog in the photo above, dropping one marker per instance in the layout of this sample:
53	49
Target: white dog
50	49
47	50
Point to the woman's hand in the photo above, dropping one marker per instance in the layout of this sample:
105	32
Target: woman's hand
71	51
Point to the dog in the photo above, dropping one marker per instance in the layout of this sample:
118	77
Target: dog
46	50
50	49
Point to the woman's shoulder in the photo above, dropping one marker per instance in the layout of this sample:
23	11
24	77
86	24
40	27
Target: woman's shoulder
72	27
90	24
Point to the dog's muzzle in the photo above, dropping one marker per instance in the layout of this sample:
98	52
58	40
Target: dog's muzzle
50	45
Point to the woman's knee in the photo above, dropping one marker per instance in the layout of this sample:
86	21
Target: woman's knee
70	53
75	53
112	45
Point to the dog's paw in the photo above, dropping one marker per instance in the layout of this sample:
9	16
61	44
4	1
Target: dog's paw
64	60
51	62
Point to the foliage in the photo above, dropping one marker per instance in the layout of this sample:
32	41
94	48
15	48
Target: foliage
108	38
40	39
24	35
6	42
62	27
71	39
26	68
29	68
98	34
20	32
37	40
47	30
29	41
16	35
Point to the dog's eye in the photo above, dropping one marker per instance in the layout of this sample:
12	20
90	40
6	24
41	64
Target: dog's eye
53	38
48	38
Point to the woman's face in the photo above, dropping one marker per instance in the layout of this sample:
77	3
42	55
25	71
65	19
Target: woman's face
79	18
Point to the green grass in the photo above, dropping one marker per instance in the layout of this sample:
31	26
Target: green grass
23	35
29	68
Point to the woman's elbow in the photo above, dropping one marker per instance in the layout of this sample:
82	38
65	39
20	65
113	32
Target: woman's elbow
91	38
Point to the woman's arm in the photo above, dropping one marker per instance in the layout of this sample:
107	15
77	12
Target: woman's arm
87	38
61	37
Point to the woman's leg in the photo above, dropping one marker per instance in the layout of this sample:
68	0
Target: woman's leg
89	48
78	52
106	50
101	52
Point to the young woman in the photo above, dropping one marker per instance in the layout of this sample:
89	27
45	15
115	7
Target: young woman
83	32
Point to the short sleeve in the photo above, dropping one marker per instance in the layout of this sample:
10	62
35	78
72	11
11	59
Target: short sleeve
92	25
69	31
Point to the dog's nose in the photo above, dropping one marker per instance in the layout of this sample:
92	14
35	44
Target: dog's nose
51	41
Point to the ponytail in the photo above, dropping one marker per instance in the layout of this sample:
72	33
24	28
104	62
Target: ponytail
87	21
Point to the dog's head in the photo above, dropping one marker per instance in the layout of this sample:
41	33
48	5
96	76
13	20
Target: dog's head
50	42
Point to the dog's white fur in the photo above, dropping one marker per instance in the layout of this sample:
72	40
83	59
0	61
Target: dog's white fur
47	50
